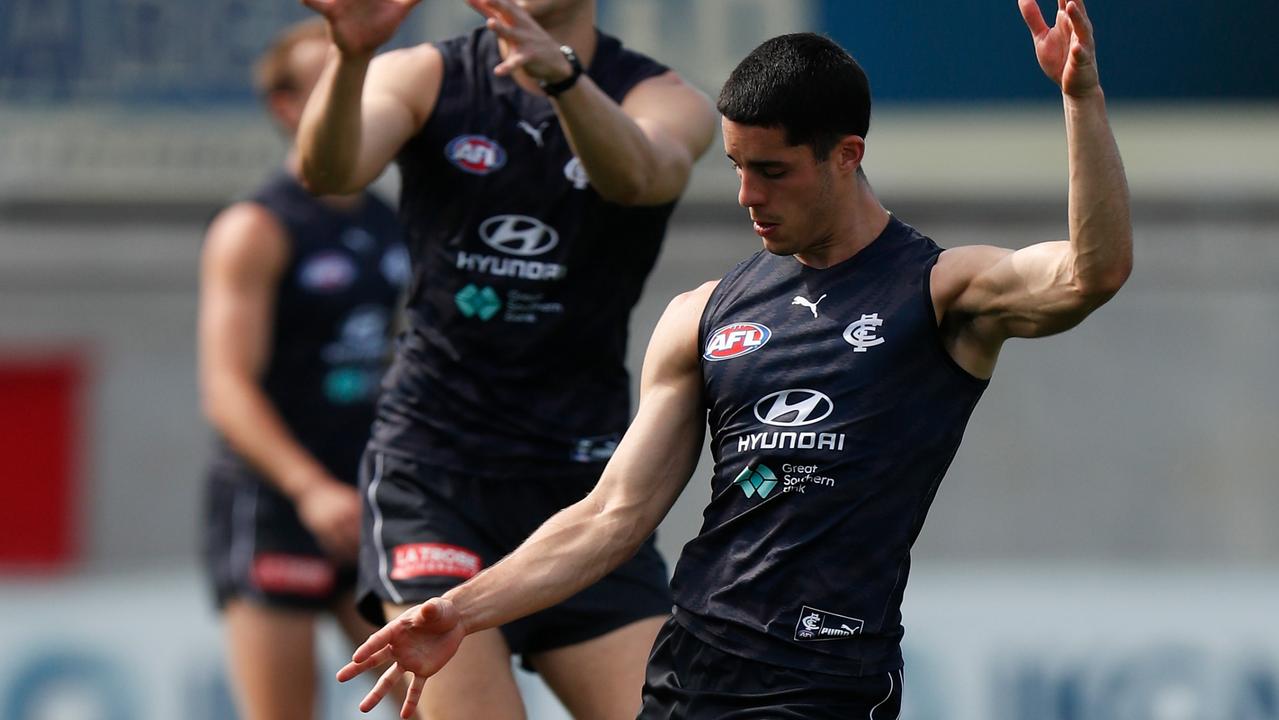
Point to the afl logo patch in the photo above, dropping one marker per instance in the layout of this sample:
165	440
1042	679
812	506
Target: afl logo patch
736	340
475	154
327	272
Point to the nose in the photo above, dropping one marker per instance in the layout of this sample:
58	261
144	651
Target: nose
749	194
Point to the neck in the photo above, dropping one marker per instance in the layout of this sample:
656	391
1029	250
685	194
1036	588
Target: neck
863	220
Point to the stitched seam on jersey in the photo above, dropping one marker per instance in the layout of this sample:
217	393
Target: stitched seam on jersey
887	697
383	575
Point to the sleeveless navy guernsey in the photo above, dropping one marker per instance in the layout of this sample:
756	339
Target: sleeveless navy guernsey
333	313
834	412
523	284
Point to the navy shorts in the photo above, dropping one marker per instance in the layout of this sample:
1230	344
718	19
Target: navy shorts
688	679
256	548
428	530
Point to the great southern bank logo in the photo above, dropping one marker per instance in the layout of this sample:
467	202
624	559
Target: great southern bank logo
794	408
756	480
736	340
475	154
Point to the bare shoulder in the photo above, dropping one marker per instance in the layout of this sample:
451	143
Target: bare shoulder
670	93
245	236
683	313
958	268
413	75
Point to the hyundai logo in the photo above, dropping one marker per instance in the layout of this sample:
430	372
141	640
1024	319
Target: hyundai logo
518	235
793	408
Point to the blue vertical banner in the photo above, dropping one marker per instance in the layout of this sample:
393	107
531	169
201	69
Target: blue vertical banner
978	50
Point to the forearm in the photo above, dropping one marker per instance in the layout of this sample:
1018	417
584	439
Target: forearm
572	550
330	133
245	417
1099	214
621	161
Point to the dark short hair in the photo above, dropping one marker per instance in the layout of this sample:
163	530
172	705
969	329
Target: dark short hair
273	71
803	83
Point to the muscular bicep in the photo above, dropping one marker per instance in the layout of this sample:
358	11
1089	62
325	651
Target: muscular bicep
660	450
679	122
244	253
1000	293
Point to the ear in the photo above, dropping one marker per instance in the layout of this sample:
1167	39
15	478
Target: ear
285	108
848	154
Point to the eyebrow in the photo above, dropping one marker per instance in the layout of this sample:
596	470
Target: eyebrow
759	164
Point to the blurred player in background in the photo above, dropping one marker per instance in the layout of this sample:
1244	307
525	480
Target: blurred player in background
838	369
541	161
297	295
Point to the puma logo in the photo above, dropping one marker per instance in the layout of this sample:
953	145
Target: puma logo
801	300
534	132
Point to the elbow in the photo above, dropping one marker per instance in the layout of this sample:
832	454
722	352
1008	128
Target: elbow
317	183
1108	282
1101	281
626	192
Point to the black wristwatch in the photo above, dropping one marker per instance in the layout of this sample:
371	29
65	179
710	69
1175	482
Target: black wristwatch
555	88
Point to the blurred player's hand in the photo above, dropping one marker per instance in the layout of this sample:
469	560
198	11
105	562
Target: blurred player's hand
1066	50
419	642
331	511
531	47
360	27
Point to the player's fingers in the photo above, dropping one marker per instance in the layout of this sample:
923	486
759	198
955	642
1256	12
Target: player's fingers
1080	21
355	669
376	642
501	29
1034	19
412	697
382	687
488	8
512	62
320	6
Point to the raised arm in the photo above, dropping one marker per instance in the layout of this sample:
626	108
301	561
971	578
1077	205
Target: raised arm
245	251
640	152
364	109
986	294
581	543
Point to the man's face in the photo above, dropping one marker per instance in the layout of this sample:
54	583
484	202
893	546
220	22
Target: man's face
785	188
306	63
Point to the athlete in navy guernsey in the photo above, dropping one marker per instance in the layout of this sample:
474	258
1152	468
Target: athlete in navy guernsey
297	299
540	162
837	370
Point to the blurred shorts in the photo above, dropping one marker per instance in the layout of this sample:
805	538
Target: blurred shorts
691	680
427	530
256	548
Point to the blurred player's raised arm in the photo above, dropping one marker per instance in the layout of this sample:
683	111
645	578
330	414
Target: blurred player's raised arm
640	152
363	109
581	543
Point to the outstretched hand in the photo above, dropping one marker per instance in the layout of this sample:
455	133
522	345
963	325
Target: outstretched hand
1066	50
360	27
529	46
418	643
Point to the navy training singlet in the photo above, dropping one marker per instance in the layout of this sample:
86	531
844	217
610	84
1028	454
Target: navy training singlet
524	279
333	314
834	412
